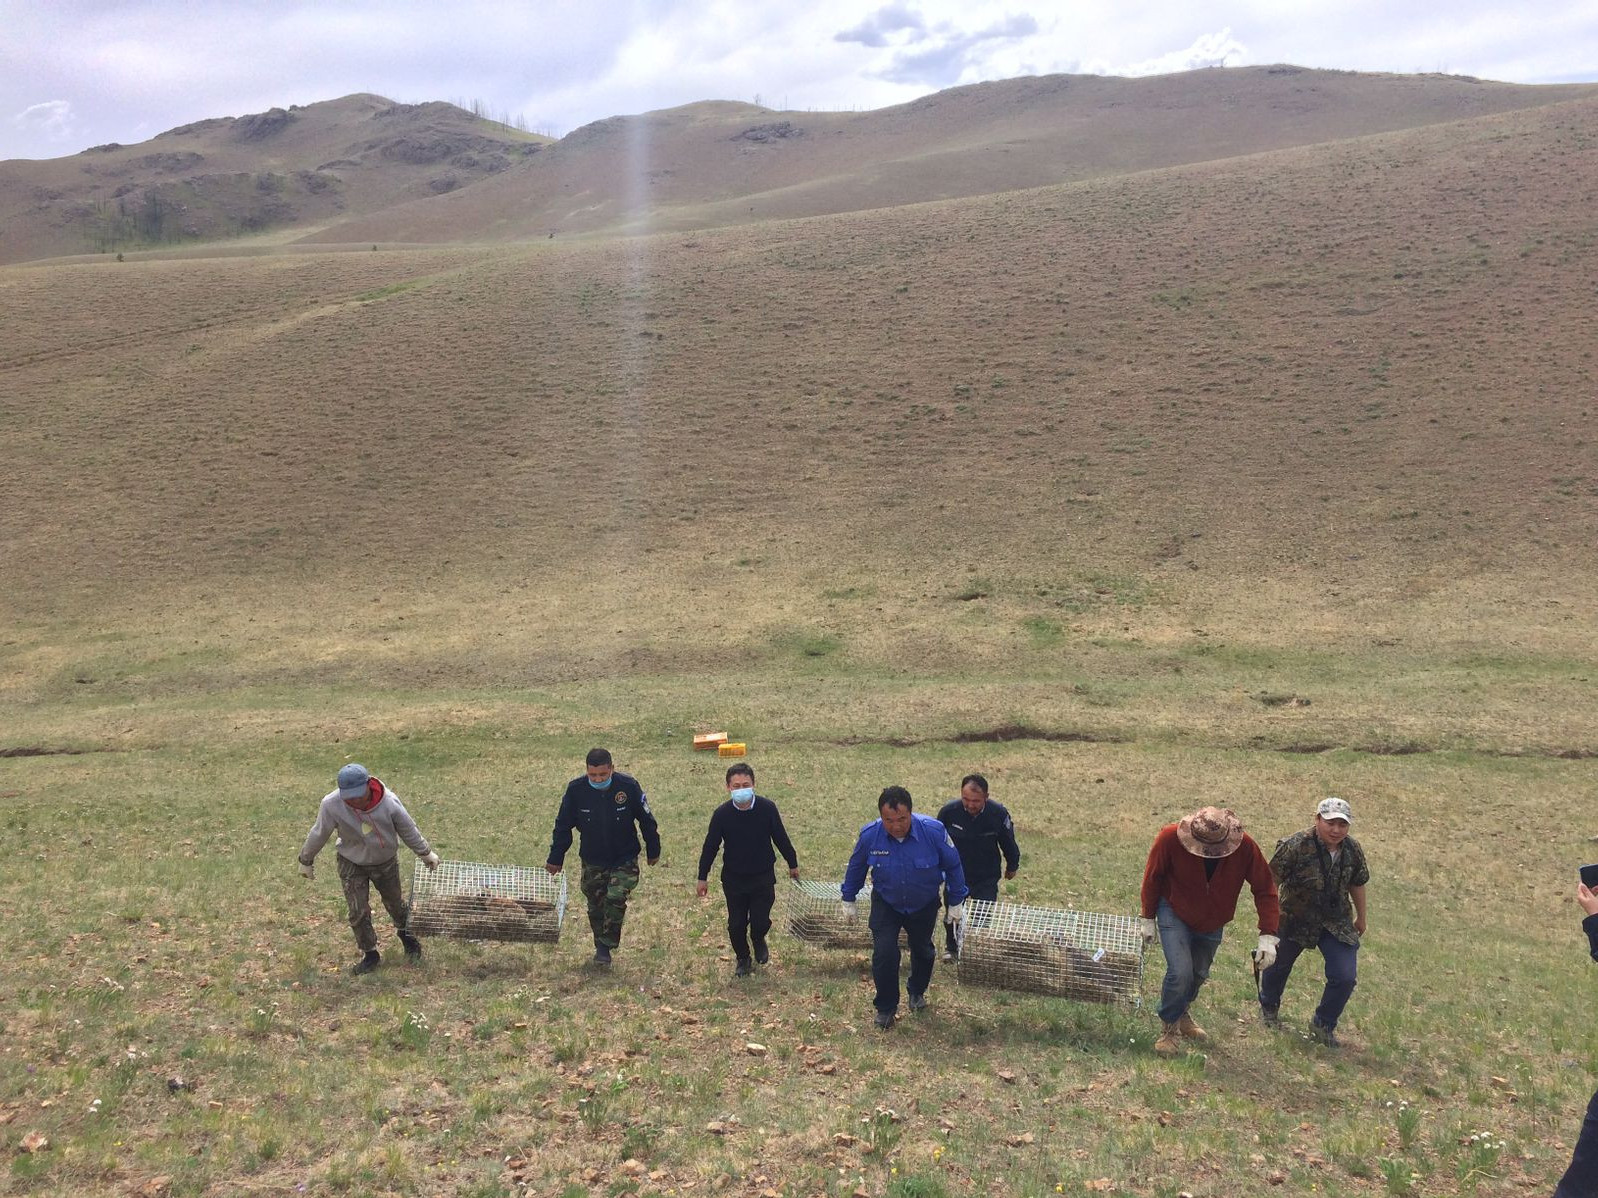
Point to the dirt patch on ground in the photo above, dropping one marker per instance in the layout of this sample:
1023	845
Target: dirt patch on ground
988	736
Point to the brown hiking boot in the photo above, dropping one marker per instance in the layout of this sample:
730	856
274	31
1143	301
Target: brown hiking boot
1170	1041
1191	1030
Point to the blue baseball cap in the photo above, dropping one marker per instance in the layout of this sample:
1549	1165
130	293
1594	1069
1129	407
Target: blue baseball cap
352	781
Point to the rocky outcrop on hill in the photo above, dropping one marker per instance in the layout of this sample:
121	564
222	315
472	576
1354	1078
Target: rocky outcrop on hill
775	131
167	164
261	125
198	127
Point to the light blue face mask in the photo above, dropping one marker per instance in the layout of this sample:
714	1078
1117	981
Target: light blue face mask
743	797
599	785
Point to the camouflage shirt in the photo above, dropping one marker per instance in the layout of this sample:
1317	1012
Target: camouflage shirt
1314	888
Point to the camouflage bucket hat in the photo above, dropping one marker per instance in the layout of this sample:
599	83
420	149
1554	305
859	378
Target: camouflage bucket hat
1211	832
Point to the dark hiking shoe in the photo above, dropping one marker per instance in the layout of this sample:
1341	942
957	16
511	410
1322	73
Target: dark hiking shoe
1323	1035
413	946
884	1019
367	964
762	955
918	1002
745	968
601	955
1270	1016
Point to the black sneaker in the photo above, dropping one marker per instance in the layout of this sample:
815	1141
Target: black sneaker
1270	1016
367	964
884	1019
1323	1035
745	968
762	955
601	955
413	946
918	1002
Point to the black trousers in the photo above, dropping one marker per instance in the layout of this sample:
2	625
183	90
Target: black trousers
1581	1179
886	923
749	903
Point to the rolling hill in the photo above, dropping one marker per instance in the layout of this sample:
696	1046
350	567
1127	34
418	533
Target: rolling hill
1337	391
230	177
366	170
718	164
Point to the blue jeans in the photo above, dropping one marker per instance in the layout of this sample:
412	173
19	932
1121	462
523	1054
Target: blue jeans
1342	967
1187	962
1581	1179
885	925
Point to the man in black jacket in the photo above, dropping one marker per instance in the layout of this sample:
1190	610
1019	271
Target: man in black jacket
749	825
981	831
609	809
1581	1178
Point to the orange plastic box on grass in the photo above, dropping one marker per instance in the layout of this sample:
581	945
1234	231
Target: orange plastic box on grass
709	740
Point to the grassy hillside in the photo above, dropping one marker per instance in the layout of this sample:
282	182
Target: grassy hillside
1240	482
254	176
719	164
1341	394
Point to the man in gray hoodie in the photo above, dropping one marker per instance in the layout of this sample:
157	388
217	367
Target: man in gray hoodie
370	822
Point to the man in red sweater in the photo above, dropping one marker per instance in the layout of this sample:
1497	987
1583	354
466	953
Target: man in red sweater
1194	874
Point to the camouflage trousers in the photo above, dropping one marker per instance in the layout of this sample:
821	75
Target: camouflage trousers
358	881
606	891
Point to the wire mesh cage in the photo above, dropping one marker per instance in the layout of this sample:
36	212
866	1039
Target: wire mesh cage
1043	950
468	900
815	915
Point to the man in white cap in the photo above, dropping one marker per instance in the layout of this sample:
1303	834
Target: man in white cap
370	822
1319	871
1195	872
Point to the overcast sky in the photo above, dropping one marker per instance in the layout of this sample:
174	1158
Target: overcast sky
77	73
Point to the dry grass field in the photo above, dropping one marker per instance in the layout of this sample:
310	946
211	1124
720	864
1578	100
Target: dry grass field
1239	481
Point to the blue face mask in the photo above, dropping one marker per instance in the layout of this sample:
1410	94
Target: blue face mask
743	797
599	785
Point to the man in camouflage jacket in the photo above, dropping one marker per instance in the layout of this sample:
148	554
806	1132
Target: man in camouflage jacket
1319	872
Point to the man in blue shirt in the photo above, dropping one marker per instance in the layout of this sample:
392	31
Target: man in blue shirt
910	858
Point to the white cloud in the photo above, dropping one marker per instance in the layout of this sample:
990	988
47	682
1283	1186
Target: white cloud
947	54
881	26
52	121
1210	50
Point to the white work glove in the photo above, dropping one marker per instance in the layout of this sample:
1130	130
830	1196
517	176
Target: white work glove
1151	931
956	917
850	911
1265	954
431	860
307	871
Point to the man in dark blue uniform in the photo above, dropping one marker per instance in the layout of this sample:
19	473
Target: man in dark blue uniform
981	831
910	858
609	809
